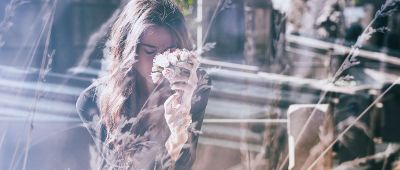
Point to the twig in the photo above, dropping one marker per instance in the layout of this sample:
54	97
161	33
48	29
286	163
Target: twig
382	156
222	5
6	23
45	67
353	123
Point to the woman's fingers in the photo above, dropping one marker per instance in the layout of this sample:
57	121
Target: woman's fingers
177	78
185	76
185	65
185	71
171	102
181	86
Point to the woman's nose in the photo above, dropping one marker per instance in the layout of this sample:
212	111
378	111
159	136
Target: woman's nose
172	49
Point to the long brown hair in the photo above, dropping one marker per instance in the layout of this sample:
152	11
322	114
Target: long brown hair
118	82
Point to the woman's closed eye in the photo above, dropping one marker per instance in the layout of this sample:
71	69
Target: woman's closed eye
150	51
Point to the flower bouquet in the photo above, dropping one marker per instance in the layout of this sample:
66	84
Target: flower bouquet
175	65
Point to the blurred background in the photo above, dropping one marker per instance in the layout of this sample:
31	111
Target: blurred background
287	91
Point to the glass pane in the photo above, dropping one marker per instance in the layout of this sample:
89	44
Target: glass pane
199	84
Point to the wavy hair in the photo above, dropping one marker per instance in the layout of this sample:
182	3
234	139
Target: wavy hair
118	81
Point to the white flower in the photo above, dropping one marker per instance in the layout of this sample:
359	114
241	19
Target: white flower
161	60
156	69
155	77
168	73
172	59
166	64
183	55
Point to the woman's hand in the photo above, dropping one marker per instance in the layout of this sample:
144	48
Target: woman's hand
177	106
178	119
183	78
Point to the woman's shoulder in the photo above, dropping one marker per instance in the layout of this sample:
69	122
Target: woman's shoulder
203	77
201	94
86	104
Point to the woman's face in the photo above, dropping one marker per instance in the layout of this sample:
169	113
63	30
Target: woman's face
154	40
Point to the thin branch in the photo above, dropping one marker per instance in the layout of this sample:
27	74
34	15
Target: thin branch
354	122
222	5
45	66
9	13
381	156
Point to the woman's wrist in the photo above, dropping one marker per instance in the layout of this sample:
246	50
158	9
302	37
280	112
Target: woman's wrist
175	143
181	122
179	136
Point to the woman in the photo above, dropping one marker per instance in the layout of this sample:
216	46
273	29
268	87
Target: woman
134	122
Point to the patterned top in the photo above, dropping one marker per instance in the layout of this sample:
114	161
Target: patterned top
139	140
